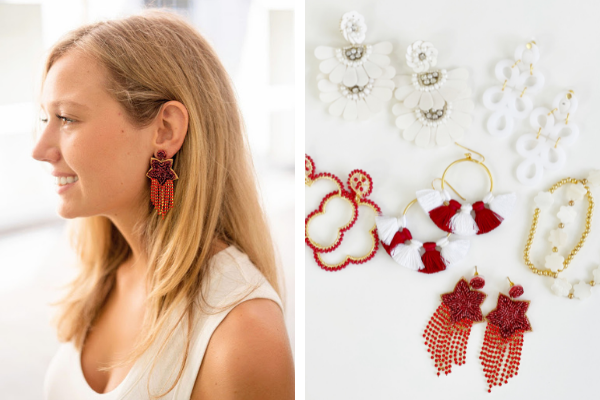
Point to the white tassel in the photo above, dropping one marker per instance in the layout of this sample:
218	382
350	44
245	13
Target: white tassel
462	223
501	205
453	252
430	199
388	226
408	255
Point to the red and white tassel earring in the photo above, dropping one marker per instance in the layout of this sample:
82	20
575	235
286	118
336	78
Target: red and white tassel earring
466	219
503	341
162	176
448	330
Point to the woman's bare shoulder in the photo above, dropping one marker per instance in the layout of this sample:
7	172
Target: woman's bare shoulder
248	356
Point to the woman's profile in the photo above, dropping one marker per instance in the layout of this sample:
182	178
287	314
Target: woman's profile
169	302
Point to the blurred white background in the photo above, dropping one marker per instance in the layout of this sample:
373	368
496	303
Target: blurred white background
255	40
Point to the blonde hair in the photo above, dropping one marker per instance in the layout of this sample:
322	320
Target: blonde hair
152	58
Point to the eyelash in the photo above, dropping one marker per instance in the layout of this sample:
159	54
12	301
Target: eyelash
64	119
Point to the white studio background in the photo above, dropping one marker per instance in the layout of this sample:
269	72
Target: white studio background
365	323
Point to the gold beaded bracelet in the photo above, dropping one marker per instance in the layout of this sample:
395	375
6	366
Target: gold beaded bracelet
555	263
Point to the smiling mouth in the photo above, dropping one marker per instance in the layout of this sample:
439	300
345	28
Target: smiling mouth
62	181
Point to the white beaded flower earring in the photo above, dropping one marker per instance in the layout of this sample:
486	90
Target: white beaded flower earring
512	99
356	78
435	106
544	149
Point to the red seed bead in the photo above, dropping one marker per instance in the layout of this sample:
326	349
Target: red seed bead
516	291
477	282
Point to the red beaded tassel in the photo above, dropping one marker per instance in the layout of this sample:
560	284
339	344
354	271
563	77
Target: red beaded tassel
162	176
448	330
500	357
503	341
445	340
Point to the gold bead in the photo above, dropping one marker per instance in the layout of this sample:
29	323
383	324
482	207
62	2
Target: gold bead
561	225
570	295
584	181
571	203
592	283
555	249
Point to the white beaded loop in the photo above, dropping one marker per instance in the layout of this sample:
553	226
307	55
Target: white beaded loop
490	94
501	76
527	56
525	79
522	114
523	169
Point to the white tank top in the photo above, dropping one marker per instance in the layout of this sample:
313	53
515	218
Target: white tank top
232	279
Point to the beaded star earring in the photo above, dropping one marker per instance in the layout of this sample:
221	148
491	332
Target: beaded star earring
449	328
451	216
503	340
162	176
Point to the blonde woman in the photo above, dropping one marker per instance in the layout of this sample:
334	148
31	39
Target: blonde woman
175	306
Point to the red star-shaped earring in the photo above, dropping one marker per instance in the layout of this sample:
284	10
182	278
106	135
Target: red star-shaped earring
162	176
448	330
503	341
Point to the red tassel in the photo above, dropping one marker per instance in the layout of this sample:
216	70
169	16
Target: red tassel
441	216
500	356
486	219
399	238
446	341
432	259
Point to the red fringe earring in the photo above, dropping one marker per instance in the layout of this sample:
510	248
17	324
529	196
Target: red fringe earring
448	330
162	175
503	341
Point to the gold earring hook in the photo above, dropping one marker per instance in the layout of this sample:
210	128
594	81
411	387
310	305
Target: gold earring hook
449	185
408	206
476	273
469	158
509	281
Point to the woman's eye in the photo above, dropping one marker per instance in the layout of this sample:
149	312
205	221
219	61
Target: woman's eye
64	119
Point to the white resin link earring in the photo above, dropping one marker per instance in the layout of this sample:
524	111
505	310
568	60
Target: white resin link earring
511	99
356	79
554	131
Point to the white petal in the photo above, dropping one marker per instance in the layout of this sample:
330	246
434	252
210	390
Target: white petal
328	65
337	107
455	131
459	73
363	110
375	104
403	80
403	91
465	94
372	70
350	112
411	132
426	102
383	93
350	77
388	73
465	105
464	120
380	59
363	78
382	48
324	52
442	136
423	137
325	85
337	74
449	93
399	109
328	97
412	99
404	121
438	100
386	83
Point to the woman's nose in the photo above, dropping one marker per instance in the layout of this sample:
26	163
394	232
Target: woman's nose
46	148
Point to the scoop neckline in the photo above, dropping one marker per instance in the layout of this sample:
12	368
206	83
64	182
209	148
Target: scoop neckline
127	378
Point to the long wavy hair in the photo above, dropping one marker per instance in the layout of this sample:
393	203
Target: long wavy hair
152	58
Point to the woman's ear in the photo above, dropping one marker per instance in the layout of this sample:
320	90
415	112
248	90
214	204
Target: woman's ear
171	127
